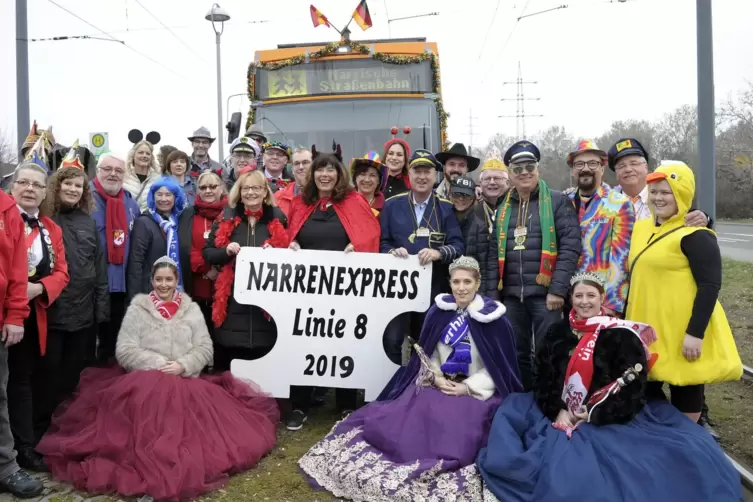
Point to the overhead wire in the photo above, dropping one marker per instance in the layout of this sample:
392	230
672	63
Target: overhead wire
115	39
171	32
488	31
507	40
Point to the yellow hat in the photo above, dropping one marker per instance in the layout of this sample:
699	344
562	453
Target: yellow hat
494	165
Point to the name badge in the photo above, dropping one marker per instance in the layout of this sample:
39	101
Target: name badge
423	232
521	232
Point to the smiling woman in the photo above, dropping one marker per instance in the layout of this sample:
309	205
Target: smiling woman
154	234
72	317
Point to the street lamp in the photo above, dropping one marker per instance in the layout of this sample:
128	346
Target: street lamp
218	15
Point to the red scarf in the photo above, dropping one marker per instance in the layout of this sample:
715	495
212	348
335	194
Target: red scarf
166	308
253	214
208	210
355	215
580	368
116	224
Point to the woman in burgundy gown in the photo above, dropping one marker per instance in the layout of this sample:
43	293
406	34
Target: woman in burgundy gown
153	425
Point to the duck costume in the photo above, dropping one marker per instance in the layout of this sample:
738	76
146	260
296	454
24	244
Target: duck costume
665	292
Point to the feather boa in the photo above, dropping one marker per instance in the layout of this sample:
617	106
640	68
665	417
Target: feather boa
224	283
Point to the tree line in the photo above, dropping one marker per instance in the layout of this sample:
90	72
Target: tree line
675	137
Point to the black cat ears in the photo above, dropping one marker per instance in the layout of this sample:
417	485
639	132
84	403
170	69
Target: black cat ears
134	136
337	151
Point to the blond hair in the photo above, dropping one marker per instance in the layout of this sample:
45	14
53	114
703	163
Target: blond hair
257	176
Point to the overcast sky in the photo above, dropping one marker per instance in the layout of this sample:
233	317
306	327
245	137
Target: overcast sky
595	61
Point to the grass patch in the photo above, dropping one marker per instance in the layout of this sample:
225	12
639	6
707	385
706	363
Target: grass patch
278	479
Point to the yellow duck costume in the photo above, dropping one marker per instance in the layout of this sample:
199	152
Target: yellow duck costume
662	292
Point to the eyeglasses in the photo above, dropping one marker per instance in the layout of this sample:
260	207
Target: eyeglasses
593	164
528	167
207	187
253	189
27	184
201	142
244	156
117	170
632	163
497	179
274	153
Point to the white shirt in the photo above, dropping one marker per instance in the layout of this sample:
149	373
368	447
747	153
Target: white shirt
640	203
36	246
420	209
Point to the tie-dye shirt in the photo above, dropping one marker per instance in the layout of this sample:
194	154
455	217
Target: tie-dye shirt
606	224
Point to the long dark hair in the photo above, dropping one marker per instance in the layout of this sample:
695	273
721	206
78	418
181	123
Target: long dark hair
310	193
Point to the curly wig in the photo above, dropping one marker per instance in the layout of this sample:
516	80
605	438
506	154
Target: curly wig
169	183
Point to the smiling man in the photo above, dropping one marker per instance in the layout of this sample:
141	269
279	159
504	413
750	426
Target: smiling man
606	220
201	140
539	245
457	163
419	222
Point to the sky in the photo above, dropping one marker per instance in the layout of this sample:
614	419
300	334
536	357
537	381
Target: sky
595	61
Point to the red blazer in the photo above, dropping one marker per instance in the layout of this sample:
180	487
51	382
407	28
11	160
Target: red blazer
355	214
53	283
13	266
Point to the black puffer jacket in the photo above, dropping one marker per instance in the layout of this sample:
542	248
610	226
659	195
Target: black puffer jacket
521	267
148	244
482	246
86	298
245	326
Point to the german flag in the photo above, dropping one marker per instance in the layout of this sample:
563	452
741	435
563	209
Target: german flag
318	18
362	17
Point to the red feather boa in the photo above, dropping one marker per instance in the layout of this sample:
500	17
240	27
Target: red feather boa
224	284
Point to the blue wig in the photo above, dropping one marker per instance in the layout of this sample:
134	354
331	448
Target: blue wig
169	183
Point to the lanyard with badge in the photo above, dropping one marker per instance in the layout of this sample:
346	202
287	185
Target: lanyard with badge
521	229
428	231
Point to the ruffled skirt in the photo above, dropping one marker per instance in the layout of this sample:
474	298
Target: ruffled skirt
146	432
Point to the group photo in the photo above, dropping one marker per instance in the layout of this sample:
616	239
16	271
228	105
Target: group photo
332	293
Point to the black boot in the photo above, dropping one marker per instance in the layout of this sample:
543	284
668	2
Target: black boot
21	485
29	459
707	424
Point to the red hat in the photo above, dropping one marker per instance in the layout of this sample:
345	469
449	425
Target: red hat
400	142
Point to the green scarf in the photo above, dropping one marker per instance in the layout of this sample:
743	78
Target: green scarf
548	235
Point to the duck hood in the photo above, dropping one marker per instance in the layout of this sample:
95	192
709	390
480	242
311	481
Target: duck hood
682	182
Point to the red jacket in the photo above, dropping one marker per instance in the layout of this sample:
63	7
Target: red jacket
13	266
356	217
284	198
53	283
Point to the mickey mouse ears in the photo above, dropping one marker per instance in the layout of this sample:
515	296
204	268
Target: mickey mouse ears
134	136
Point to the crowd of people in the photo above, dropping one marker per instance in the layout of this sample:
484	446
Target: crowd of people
557	320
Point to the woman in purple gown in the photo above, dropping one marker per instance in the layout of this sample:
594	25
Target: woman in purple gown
419	441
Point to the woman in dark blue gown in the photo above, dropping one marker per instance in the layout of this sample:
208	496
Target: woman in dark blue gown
419	441
574	439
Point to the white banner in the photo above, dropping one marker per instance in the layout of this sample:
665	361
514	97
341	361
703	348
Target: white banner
331	309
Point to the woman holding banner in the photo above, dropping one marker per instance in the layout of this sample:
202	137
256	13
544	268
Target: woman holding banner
251	219
419	441
329	215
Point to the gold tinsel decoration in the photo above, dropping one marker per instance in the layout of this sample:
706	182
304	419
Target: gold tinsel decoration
360	49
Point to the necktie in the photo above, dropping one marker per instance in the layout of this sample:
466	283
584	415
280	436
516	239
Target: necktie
30	220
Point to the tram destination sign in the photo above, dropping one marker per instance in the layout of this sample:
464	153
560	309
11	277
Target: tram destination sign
351	76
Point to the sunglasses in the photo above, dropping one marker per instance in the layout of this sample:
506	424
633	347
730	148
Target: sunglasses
208	187
519	168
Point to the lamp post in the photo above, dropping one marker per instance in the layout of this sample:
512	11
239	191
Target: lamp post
218	15
706	187
22	74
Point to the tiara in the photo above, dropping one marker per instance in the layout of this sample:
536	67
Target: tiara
165	259
465	262
587	276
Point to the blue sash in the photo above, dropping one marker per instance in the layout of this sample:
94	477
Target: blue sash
455	335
